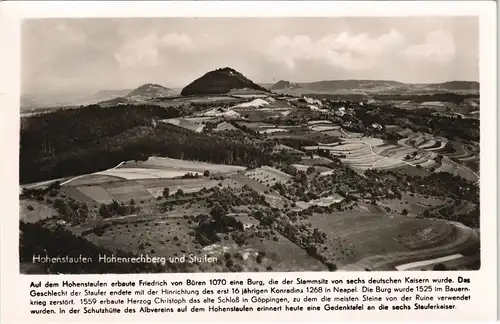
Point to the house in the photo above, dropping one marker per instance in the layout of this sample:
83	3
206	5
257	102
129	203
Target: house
340	112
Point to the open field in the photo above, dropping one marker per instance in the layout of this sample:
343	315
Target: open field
413	204
324	128
462	240
268	176
166	237
97	194
374	240
224	126
92	179
31	211
144	173
185	123
301	167
162	237
325	201
175	165
140	189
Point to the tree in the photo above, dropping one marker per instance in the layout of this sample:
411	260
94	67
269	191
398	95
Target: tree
104	211
449	147
404	212
217	212
166	192
206	173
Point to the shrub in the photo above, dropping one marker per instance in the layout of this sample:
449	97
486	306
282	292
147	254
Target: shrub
331	266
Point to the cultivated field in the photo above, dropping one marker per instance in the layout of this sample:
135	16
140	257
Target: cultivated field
185	123
268	176
376	241
31	211
180	166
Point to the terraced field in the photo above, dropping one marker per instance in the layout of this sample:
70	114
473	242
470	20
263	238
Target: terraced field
418	151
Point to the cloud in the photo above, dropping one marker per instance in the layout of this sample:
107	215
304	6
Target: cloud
66	33
146	51
346	50
438	47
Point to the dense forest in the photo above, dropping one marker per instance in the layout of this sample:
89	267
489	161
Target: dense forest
220	81
96	138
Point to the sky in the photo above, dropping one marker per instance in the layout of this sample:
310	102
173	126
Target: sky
123	53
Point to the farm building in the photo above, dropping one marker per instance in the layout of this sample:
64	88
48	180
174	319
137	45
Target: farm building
340	112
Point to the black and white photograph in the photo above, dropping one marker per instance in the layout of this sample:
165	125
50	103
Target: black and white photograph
249	144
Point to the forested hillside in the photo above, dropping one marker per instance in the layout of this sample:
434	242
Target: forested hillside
98	138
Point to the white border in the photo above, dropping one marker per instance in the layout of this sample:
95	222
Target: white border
13	295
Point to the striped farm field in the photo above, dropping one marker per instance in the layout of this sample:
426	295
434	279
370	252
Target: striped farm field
373	153
350	134
333	132
323	128
169	164
141	173
77	195
97	193
316	122
124	192
92	179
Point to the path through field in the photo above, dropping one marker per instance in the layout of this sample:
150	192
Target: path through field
84	175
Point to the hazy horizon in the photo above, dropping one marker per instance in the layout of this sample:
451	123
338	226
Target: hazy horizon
88	55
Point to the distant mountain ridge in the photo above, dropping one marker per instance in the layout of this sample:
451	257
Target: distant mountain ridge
150	91
369	86
282	84
220	81
350	84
